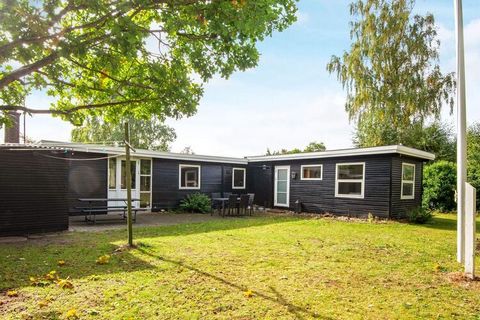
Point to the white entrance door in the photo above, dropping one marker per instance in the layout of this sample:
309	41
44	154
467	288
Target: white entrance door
117	187
282	186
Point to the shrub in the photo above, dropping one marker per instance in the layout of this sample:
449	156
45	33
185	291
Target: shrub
419	215
439	184
196	202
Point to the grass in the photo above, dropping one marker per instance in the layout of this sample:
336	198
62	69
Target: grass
261	267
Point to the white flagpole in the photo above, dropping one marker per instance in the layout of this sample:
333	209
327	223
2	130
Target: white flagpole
461	132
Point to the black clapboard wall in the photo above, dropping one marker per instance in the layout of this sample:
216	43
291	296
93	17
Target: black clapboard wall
33	191
215	177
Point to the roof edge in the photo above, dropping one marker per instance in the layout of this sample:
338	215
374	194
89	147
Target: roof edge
348	152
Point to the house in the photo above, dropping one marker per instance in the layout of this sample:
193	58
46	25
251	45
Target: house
40	183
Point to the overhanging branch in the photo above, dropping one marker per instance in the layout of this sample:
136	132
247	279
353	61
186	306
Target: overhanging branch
74	109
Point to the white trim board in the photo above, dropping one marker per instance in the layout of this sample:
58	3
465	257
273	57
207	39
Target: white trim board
407	151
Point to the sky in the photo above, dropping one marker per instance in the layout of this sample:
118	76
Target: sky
290	99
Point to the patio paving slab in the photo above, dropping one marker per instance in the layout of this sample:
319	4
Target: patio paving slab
144	219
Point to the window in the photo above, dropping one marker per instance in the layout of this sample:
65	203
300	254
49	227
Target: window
350	180
238	178
145	182
408	181
112	173
312	172
123	176
189	177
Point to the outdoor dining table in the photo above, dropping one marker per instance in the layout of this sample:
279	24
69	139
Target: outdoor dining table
90	201
223	201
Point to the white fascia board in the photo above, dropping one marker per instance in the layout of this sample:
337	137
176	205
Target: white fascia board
79	147
348	152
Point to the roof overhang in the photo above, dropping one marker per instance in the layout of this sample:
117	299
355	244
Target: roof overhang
94	148
398	149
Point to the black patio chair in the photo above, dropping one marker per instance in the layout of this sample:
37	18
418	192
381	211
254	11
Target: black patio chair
216	205
232	204
250	202
243	205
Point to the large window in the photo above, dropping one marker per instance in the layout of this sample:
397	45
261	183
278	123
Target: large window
312	172
123	174
112	173
238	178
189	177
408	181
145	183
350	180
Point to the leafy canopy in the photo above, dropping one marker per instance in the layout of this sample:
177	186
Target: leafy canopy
144	134
391	72
311	147
115	59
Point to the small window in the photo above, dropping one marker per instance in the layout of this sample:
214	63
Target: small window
350	180
123	174
112	173
408	181
312	172
189	176
238	178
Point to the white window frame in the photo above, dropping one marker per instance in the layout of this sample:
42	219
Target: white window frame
310	166
146	175
410	197
180	166
337	181
244	178
275	202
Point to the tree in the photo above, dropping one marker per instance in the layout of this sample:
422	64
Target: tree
315	147
473	158
113	59
391	72
439	184
311	147
437	137
152	134
187	150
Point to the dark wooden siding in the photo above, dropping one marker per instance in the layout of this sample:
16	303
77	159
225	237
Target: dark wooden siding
33	189
401	207
319	196
215	177
86	179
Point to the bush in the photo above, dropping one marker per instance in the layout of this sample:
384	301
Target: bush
196	202
439	184
419	215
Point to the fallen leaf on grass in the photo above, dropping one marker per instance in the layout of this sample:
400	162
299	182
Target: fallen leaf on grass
65	284
43	303
71	314
103	259
12	293
61	263
248	293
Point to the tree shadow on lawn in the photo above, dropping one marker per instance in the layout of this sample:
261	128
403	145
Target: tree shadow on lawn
19	264
80	250
445	224
298	311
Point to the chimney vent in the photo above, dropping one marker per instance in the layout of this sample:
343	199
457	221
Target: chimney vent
12	132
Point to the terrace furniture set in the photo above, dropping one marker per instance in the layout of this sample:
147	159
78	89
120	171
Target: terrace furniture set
91	211
233	204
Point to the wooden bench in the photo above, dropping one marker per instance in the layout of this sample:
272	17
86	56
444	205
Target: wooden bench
89	212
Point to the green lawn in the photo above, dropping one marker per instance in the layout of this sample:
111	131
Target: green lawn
251	268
